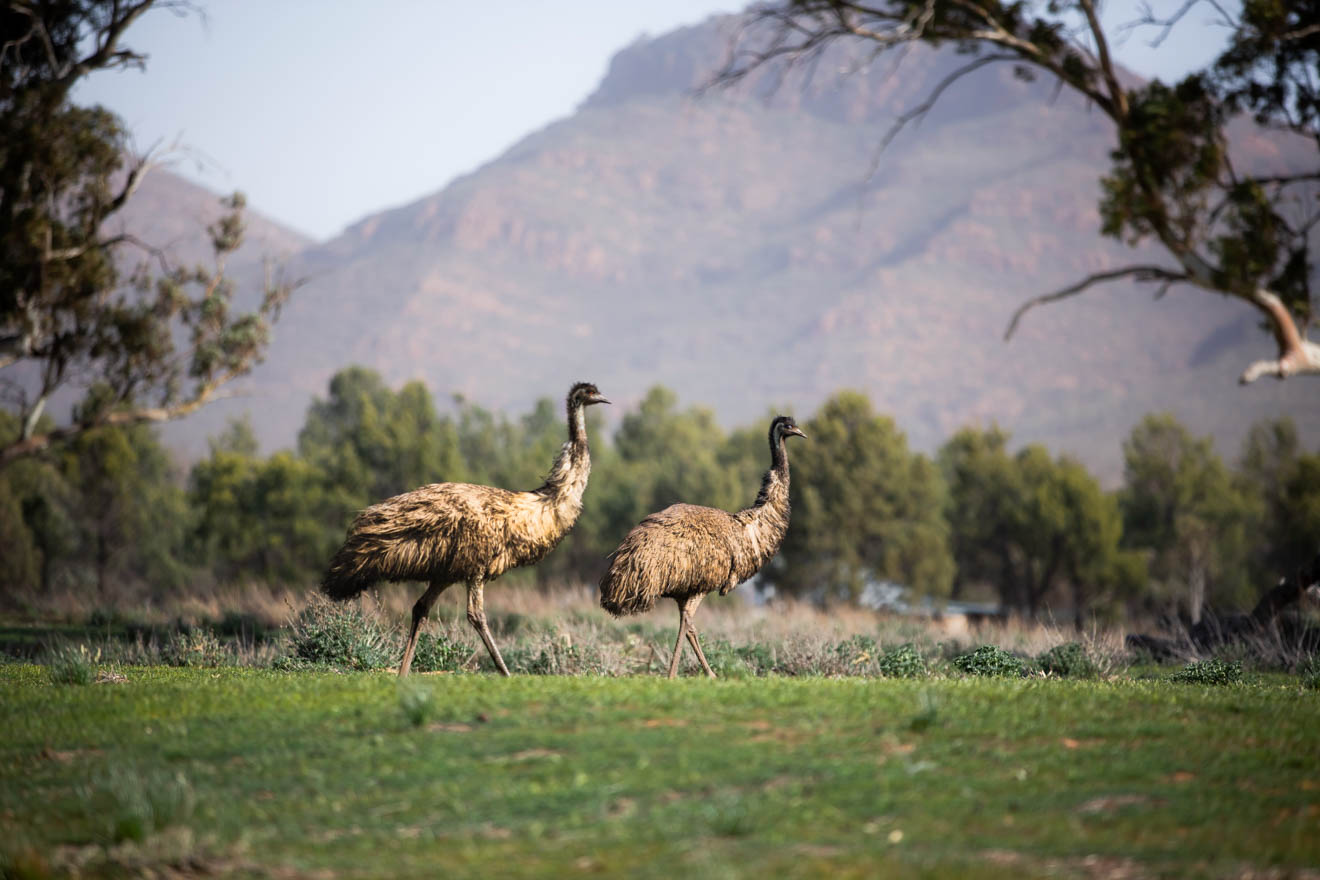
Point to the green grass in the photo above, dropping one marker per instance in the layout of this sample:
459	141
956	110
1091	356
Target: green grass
324	774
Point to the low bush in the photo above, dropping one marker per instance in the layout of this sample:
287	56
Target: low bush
439	654
1213	671
904	661
132	803
340	634
1069	660
989	660
196	648
72	664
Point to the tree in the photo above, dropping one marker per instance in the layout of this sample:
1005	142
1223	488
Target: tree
1284	482
1066	533
1033	527
1172	180
863	507
374	443
276	519
159	341
983	489
1181	506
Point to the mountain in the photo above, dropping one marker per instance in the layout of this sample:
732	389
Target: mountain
752	249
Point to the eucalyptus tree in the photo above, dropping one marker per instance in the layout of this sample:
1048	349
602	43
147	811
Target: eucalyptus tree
1172	181
82	304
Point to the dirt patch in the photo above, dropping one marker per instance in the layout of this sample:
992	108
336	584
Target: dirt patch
449	727
526	755
66	757
1109	803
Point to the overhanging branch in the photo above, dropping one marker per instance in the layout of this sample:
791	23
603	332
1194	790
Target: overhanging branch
1136	273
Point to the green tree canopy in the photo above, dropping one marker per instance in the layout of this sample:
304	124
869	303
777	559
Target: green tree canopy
1180	504
864	507
160	341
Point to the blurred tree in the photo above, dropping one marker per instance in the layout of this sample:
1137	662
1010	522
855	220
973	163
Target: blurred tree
1299	533
1172	181
131	512
1268	459
276	520
373	443
66	312
670	456
1033	527
984	490
1067	533
1180	504
864	508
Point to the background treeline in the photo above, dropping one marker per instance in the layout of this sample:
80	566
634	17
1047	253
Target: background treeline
110	515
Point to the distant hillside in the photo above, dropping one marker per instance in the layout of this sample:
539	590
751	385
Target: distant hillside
734	249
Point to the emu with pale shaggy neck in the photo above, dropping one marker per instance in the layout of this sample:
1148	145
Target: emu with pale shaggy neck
450	532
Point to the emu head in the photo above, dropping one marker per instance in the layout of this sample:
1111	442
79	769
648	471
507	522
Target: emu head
584	394
784	426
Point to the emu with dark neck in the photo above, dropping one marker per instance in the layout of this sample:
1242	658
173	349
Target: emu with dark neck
686	551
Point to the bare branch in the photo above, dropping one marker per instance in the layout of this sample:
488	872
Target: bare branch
1137	273
920	110
116	418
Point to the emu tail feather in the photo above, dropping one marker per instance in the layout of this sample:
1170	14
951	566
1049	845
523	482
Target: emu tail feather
346	576
625	589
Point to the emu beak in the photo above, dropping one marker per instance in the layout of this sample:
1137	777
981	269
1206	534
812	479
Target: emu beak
796	431
598	399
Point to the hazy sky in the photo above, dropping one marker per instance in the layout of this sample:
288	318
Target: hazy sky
324	111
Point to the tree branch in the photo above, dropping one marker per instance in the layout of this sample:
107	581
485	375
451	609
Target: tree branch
115	418
1137	273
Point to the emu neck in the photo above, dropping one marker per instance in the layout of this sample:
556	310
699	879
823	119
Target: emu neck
567	479
766	521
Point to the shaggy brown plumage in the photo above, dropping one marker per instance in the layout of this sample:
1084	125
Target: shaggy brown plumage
450	532
685	551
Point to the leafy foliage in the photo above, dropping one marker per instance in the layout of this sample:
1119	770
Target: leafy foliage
904	661
340	634
989	660
863	506
160	340
439	654
1069	660
1213	671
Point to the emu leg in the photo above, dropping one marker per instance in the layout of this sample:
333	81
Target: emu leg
477	617
689	611
678	645
420	610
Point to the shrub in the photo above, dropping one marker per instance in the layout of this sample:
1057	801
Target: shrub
857	653
130	804
416	701
339	634
1068	660
439	654
905	661
197	648
989	660
69	664
1213	671
558	656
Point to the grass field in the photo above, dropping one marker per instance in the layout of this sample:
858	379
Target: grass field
184	772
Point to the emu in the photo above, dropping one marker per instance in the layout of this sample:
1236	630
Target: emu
450	532
685	551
